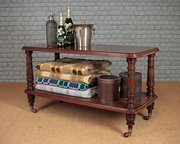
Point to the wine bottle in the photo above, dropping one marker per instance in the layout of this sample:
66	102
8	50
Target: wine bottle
69	27
61	32
51	31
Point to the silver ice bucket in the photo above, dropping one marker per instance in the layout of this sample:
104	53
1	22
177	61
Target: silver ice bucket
83	34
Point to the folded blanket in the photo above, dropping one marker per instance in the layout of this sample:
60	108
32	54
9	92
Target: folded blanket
89	79
83	94
64	83
74	66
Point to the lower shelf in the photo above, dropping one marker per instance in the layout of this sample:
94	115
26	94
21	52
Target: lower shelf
117	106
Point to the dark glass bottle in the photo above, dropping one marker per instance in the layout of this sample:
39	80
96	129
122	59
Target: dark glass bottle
69	27
51	31
61	32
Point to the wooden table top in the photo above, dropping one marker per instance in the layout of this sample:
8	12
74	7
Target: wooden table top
99	50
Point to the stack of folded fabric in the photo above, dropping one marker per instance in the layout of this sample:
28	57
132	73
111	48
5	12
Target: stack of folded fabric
71	76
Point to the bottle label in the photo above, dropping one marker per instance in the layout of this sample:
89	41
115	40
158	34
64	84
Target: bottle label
68	27
69	33
61	37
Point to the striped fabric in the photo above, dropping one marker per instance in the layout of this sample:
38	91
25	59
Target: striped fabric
71	76
83	94
64	83
89	79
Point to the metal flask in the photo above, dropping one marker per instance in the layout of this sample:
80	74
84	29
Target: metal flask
83	34
124	84
108	88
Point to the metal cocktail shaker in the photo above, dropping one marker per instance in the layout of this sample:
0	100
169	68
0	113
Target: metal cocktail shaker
83	33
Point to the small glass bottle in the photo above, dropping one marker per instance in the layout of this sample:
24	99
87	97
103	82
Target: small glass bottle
51	31
61	32
69	27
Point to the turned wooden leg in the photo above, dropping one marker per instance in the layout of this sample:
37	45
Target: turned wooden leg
150	84
150	76
56	56
149	108
30	79
130	118
31	99
131	83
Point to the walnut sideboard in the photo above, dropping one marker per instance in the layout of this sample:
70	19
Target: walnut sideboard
130	106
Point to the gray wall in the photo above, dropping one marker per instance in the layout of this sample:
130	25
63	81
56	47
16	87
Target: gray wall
126	22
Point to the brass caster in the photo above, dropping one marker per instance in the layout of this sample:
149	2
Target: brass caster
33	110
147	117
127	134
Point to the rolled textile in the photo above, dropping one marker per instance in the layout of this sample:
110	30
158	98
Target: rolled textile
78	71
74	66
89	79
83	94
90	67
51	66
64	83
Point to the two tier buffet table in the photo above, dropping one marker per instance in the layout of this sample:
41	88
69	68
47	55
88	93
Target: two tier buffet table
130	106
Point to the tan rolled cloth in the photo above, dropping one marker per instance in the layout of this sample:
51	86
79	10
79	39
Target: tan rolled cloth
74	66
51	66
71	77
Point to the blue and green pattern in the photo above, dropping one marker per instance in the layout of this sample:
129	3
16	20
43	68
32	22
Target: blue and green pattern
64	83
